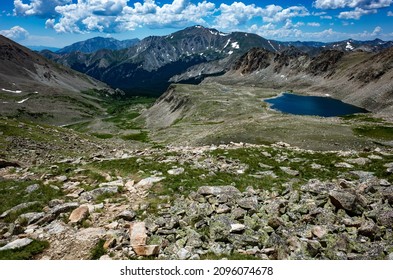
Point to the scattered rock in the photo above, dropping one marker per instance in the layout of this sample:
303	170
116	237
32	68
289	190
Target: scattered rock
319	231
183	254
146	250
343	200
127	215
236	228
385	218
148	182
19	207
79	214
289	171
32	188
343	165
117	183
63	208
218	190
176	171
31	218
16	244
248	203
93	194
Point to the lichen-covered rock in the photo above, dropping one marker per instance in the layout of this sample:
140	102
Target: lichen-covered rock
218	190
343	200
220	228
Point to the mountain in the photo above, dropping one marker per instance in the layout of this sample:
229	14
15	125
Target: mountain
361	78
376	45
186	56
35	88
41	48
147	67
98	43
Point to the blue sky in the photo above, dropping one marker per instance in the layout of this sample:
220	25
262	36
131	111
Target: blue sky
58	23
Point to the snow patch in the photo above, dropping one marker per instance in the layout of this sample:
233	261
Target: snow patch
13	91
22	101
272	46
230	52
349	46
227	43
235	45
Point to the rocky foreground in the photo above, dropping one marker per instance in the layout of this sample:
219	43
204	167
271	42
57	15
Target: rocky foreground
272	209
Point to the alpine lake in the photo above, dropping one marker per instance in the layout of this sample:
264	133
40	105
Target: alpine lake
312	105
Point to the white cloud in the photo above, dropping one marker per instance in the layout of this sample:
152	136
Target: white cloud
364	4
49	23
356	14
390	14
314	24
275	15
326	17
115	15
236	14
41	8
377	31
15	33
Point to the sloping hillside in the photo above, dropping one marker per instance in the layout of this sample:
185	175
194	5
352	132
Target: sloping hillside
35	88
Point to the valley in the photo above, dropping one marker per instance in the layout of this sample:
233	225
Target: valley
203	171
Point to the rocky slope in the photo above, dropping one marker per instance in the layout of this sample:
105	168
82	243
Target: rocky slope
360	78
230	201
33	87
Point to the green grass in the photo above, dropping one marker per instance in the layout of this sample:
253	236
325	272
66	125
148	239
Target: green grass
81	127
26	253
98	250
103	135
362	117
376	132
141	137
13	193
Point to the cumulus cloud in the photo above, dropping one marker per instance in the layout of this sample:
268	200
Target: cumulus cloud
41	8
364	4
238	14
275	14
49	23
115	15
377	31
15	33
390	14
314	24
356	14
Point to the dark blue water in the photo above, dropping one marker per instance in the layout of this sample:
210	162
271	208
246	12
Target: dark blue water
312	105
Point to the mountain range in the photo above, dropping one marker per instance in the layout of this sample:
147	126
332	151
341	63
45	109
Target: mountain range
147	67
354	71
